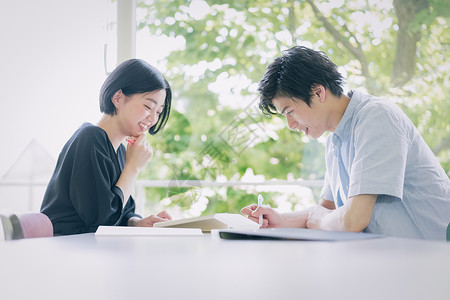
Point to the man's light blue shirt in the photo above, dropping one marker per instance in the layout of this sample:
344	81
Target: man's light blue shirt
376	149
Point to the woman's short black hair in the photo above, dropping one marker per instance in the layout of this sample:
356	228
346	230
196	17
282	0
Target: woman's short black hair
295	74
135	76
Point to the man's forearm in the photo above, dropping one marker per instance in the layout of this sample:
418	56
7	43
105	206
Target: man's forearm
296	219
354	216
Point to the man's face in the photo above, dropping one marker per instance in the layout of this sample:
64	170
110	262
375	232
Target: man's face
301	117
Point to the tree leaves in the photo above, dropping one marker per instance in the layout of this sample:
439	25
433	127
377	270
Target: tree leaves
223	40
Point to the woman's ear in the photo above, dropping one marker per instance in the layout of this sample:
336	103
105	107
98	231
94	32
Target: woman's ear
117	97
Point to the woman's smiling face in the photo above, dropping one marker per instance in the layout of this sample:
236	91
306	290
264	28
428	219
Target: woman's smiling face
139	112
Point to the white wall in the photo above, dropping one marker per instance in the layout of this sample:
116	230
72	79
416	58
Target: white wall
51	70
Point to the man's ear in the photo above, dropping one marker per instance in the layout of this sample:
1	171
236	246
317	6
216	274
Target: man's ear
319	91
117	97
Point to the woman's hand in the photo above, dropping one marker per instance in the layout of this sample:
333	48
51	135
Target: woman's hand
138	152
152	219
165	215
271	218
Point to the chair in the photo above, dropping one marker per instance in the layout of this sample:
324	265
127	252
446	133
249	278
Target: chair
26	225
6	229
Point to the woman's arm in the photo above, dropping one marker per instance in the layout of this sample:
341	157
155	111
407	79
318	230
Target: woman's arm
138	155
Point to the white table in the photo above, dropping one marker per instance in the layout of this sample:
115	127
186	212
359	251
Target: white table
205	267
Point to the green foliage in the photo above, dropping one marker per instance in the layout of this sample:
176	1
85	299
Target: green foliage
209	137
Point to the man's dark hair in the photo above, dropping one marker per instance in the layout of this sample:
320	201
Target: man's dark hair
135	76
295	74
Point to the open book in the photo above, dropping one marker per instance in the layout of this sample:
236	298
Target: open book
208	223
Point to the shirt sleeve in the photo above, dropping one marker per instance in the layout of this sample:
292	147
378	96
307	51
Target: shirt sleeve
327	192
380	147
128	212
93	193
130	206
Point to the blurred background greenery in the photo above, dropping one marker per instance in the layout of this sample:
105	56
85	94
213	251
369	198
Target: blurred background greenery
398	49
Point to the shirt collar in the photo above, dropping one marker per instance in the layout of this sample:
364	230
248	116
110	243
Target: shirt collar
342	131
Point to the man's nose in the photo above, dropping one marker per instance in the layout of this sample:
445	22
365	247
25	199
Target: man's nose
291	123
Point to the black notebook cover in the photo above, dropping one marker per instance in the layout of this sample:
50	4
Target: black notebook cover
298	234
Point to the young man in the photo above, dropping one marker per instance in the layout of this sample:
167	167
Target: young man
380	176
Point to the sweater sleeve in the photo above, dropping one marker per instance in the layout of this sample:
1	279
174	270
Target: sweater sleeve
93	193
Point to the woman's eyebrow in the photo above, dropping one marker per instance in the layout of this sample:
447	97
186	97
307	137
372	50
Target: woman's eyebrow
154	101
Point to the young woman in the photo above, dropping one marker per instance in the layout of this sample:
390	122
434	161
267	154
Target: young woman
95	173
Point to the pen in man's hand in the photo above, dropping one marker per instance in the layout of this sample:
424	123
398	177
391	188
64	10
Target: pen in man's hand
260	201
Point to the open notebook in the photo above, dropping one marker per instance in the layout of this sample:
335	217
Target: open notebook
208	223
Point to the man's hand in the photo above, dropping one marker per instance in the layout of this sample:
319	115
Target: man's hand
315	217
271	218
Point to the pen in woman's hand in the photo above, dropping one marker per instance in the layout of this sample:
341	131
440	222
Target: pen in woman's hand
260	201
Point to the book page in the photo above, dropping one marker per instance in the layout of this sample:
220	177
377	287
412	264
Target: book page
211	222
145	231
